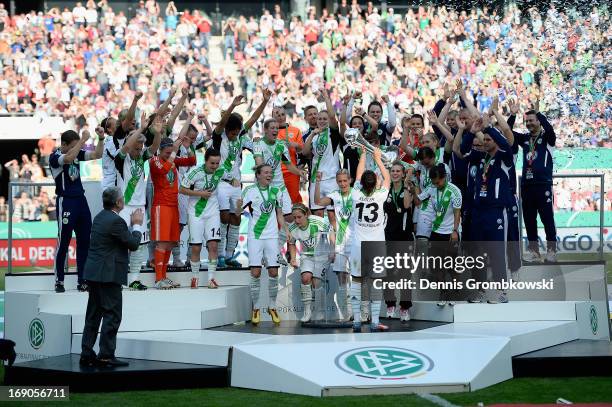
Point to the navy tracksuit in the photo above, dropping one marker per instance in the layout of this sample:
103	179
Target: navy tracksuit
536	182
492	194
73	213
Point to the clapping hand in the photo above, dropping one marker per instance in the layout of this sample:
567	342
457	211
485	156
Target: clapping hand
137	217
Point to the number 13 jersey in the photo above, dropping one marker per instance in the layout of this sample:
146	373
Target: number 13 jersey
368	217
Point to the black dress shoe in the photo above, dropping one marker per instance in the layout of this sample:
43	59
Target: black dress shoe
59	287
114	362
88	362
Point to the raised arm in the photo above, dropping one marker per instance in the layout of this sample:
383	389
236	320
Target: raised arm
238	100
99	151
391	117
458	138
383	170
549	132
307	149
125	124
501	121
177	109
267	94
331	113
164	106
70	156
466	101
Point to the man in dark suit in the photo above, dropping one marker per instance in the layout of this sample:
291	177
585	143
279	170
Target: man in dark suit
105	272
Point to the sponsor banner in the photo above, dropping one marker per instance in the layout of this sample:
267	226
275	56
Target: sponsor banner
577	240
34	252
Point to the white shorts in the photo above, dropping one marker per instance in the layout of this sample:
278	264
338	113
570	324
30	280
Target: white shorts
314	265
355	259
125	214
258	249
286	199
424	223
327	186
228	196
340	263
183	205
204	229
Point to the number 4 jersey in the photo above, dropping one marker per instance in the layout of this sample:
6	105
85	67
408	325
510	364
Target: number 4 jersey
369	218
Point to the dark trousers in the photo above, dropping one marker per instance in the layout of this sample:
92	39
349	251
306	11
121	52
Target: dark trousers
489	235
104	306
514	248
73	215
539	199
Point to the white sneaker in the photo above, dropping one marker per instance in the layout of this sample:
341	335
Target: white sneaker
500	298
551	256
404	315
441	303
477	298
451	303
172	283
531	256
163	285
515	275
307	314
391	312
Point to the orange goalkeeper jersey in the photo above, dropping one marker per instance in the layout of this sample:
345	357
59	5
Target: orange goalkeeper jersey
165	179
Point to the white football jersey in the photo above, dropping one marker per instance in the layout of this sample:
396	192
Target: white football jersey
199	180
131	178
343	208
273	155
233	151
263	203
310	236
324	158
368	217
109	171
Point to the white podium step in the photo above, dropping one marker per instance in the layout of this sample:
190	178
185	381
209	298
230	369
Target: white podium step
514	311
203	347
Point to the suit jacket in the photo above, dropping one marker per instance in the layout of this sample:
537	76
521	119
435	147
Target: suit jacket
108	257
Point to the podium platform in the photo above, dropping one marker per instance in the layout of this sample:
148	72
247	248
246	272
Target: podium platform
210	328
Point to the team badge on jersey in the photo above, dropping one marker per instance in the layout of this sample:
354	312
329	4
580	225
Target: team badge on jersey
266	207
531	156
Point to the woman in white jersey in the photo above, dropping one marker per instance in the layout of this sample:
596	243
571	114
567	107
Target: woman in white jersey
368	224
265	203
445	202
311	231
343	207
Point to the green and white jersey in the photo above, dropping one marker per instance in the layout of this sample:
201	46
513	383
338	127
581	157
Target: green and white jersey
273	155
422	173
198	179
310	235
369	217
231	152
343	208
131	177
262	203
442	202
325	154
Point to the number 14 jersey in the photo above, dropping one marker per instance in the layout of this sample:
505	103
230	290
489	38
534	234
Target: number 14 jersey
368	217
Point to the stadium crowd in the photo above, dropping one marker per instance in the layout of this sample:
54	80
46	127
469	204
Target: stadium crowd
87	62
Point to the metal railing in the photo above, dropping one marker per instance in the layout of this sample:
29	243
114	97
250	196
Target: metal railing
601	206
